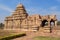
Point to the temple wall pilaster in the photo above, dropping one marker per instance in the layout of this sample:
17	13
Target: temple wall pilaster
48	23
55	23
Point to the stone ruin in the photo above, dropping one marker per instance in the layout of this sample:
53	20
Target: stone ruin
20	20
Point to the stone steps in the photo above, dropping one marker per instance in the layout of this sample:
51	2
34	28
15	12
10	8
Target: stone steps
45	29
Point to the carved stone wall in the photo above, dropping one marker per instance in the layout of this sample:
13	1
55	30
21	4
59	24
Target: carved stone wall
21	20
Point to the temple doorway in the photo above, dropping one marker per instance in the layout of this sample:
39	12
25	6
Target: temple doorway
44	23
52	23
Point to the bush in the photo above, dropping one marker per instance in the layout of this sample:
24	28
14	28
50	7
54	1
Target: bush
12	36
58	23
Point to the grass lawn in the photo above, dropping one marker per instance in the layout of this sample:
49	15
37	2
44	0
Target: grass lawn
9	34
45	38
4	33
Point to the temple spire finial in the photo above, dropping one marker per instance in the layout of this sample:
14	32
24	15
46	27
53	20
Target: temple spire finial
20	5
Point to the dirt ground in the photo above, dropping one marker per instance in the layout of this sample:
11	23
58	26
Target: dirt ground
30	35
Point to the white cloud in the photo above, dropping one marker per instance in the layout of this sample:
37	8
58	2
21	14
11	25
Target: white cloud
45	11
48	11
6	8
53	8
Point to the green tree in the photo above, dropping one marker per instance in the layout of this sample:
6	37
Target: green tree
1	25
58	23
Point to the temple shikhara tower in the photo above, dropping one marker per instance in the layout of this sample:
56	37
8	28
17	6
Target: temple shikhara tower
20	20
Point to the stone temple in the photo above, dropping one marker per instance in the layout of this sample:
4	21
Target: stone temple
20	20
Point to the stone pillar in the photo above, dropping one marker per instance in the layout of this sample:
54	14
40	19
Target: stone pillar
14	24
18	24
50	28
56	23
48	23
11	24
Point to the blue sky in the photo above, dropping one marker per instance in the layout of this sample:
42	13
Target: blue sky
42	7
